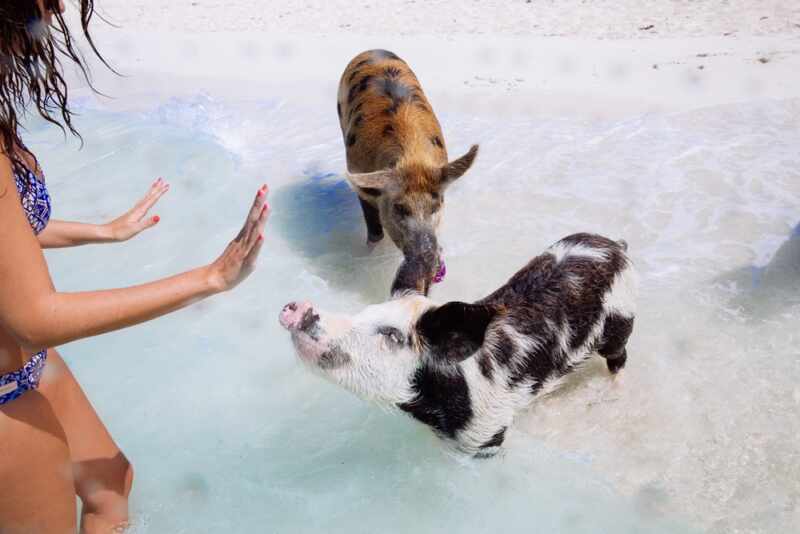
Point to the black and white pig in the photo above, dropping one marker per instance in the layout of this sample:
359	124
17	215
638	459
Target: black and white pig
466	369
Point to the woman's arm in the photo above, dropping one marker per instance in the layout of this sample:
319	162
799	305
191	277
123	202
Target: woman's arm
39	317
59	234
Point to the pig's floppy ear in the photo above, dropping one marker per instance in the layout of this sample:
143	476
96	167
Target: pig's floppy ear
456	330
372	183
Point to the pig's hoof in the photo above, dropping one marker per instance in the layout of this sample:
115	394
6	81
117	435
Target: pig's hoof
617	381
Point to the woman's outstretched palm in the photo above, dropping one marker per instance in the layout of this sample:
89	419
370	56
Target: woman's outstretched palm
136	220
239	258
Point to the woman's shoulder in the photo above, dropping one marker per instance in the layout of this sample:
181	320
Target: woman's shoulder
19	169
6	166
6	175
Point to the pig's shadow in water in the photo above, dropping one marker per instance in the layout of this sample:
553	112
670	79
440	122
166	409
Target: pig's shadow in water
765	291
320	218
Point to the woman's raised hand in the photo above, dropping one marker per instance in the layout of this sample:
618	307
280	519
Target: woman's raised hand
239	258
136	219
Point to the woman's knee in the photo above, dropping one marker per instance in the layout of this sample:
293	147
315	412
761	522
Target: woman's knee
126	473
104	484
128	477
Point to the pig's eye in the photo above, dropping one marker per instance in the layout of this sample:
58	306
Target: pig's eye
402	210
392	334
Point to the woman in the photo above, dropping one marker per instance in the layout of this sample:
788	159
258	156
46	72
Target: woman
52	444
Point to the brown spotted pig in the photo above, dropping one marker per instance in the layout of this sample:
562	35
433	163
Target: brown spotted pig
397	159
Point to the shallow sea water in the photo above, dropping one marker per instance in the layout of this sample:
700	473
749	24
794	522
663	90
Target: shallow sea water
228	433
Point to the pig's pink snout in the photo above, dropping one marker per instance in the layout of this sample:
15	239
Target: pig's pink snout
292	314
298	316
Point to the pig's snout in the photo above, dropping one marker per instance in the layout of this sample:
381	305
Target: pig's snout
298	316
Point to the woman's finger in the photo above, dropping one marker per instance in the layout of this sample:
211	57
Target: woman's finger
247	221
156	191
253	214
252	257
153	196
258	225
146	223
258	228
155	186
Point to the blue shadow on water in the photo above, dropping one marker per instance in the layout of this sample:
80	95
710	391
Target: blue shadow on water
316	210
771	288
320	218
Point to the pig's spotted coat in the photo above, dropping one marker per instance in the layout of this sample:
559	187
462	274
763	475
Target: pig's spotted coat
465	369
396	157
548	318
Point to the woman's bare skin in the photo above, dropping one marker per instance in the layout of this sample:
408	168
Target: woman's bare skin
60	234
53	444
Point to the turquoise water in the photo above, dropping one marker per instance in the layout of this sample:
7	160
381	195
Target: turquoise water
228	433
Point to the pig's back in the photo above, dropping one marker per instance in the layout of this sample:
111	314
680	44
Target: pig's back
571	281
384	114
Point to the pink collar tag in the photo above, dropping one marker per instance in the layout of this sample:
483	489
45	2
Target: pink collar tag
440	274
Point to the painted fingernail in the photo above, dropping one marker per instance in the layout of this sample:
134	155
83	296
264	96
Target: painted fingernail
156	219
261	237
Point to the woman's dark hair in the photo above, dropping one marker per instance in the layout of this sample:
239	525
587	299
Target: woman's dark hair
30	67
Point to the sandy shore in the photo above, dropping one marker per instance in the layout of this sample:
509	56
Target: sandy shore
609	19
550	59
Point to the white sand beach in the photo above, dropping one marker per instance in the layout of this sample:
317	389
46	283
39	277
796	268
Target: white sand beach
522	58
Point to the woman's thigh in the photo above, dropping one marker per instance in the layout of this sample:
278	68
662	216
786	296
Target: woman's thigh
102	474
37	492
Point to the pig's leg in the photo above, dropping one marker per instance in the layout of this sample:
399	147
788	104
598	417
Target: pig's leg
616	332
373	220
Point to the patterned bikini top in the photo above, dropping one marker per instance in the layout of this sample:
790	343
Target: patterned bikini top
35	199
